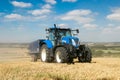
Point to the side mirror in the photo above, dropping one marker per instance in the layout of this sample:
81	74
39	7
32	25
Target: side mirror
77	30
46	29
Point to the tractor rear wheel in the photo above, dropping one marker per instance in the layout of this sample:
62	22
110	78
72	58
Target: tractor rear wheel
62	56
86	55
44	54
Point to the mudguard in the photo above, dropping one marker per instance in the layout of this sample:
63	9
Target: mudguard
71	41
48	43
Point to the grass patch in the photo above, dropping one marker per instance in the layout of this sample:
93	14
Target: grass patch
105	51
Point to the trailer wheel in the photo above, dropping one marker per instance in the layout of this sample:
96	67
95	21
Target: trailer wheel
44	54
62	56
34	57
86	55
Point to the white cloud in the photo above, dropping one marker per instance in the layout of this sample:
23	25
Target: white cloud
21	4
19	28
107	30
111	30
90	26
45	9
63	25
79	12
18	17
80	16
38	12
69	0
115	15
47	6
51	1
111	25
14	16
110	34
40	17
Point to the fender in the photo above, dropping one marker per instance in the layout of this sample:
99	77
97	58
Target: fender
71	41
48	43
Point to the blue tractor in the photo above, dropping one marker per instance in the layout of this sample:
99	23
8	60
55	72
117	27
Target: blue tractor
60	46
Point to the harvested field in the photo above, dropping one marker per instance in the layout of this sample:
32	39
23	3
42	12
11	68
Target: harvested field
13	54
15	65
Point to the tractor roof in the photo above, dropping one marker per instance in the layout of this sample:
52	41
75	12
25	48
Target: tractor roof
59	28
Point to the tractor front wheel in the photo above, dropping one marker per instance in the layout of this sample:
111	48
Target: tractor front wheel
62	56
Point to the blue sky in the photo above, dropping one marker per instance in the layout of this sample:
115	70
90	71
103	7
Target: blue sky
26	20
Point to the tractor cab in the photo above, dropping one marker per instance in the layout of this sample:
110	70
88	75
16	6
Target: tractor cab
57	35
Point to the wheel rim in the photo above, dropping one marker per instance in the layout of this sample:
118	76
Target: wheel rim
58	59
43	55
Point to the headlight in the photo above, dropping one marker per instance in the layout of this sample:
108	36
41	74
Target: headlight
73	42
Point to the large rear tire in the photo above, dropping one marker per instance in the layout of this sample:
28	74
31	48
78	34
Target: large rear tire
45	54
89	55
86	55
62	56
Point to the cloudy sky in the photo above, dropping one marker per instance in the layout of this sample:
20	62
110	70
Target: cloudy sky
26	20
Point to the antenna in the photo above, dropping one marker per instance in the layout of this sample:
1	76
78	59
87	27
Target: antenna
55	25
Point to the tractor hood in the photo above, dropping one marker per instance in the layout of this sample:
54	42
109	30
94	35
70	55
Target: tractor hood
71	40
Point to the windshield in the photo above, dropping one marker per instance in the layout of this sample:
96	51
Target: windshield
59	33
64	33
